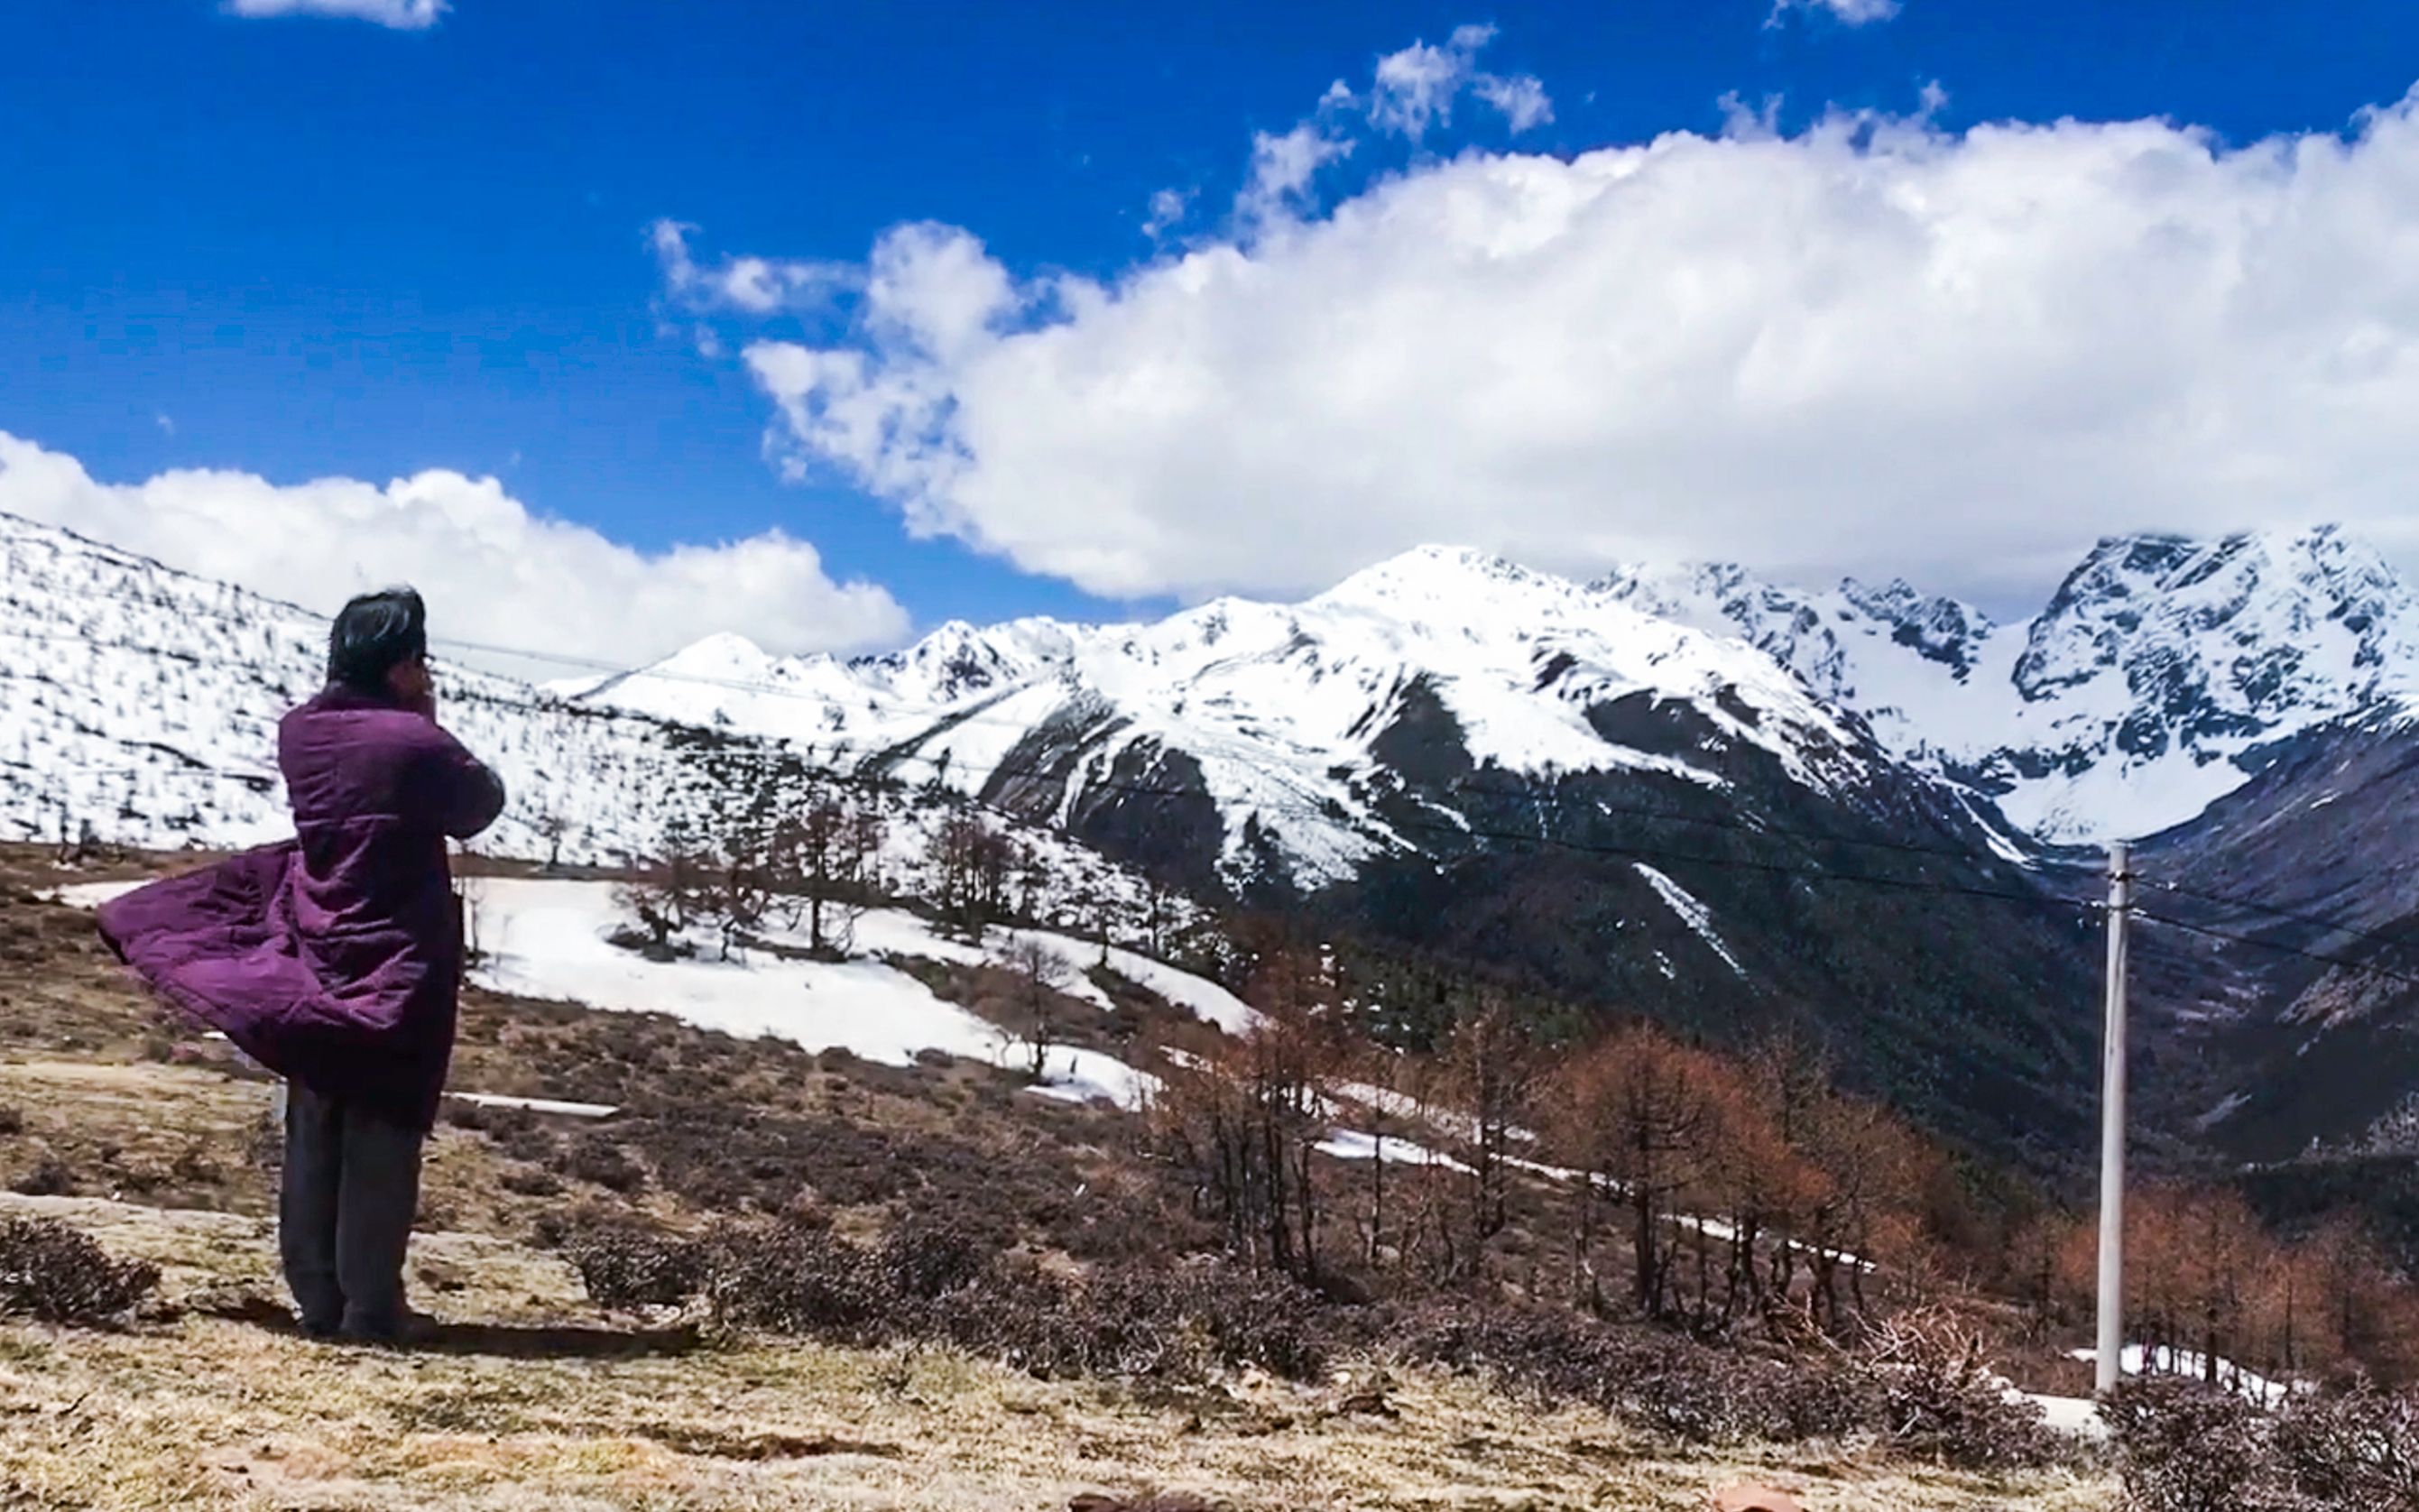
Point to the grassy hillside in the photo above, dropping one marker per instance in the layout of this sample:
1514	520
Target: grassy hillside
156	1145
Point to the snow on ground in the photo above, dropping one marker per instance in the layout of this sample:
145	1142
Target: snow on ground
1197	995
537	1105
1692	913
2135	1359
2076	1416
549	939
904	934
895	931
1348	1144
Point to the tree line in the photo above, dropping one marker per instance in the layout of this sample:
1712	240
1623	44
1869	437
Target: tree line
1622	1169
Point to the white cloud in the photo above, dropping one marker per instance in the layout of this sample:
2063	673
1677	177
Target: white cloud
1168	208
1521	99
750	286
166	422
493	571
1875	343
402	15
1847	12
1411	91
1414	88
1283	166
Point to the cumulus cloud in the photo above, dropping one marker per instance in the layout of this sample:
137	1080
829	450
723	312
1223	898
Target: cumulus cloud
1873	345
402	15
1847	12
493	571
750	286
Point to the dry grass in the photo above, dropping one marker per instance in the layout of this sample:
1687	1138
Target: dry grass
543	1406
208	1401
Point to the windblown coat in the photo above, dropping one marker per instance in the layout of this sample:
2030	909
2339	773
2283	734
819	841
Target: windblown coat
334	959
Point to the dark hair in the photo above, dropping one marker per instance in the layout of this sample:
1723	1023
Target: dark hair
376	634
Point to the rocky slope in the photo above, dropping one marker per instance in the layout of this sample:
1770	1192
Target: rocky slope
140	705
1733	805
2163	674
1506	770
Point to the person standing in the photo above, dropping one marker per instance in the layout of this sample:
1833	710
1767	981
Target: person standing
335	959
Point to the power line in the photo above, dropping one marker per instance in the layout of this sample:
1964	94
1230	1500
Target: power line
1517	838
977	717
1513	837
2254	906
1462	830
2229	937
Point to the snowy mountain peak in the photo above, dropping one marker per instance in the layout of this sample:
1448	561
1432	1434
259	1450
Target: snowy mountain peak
729	655
1938	630
1430	575
2242	630
958	661
2161	671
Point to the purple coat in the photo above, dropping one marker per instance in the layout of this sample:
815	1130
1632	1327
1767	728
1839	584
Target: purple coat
335	958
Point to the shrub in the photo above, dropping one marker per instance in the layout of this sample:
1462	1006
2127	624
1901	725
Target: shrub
2185	1447
530	1182
13	1121
945	1283
193	1166
59	1275
1248	1318
924	1261
796	1278
596	1158
2182	1446
1689	1391
626	1266
50	1177
1938	1398
2355	1449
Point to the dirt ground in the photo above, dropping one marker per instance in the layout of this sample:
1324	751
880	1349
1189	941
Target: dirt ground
159	1144
213	1401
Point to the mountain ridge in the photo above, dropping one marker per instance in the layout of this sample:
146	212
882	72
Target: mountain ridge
2161	675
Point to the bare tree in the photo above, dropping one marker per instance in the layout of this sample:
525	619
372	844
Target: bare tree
670	893
1037	978
824	859
1245	1120
1490	1071
972	863
471	887
739	881
553	829
1632	1116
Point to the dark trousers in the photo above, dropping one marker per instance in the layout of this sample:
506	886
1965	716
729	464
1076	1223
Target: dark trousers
344	1216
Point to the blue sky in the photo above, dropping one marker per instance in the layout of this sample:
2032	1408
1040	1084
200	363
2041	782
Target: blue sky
301	246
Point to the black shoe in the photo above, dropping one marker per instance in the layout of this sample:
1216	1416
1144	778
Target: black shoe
411	1331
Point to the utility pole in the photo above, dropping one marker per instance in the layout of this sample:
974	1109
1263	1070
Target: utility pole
2110	1353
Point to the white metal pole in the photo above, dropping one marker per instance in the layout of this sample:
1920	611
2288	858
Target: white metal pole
2110	1353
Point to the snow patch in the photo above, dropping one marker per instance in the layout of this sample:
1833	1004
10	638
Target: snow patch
1692	913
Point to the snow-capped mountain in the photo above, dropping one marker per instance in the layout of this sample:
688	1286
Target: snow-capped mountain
1485	764
141	704
1298	723
2161	675
1688	793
